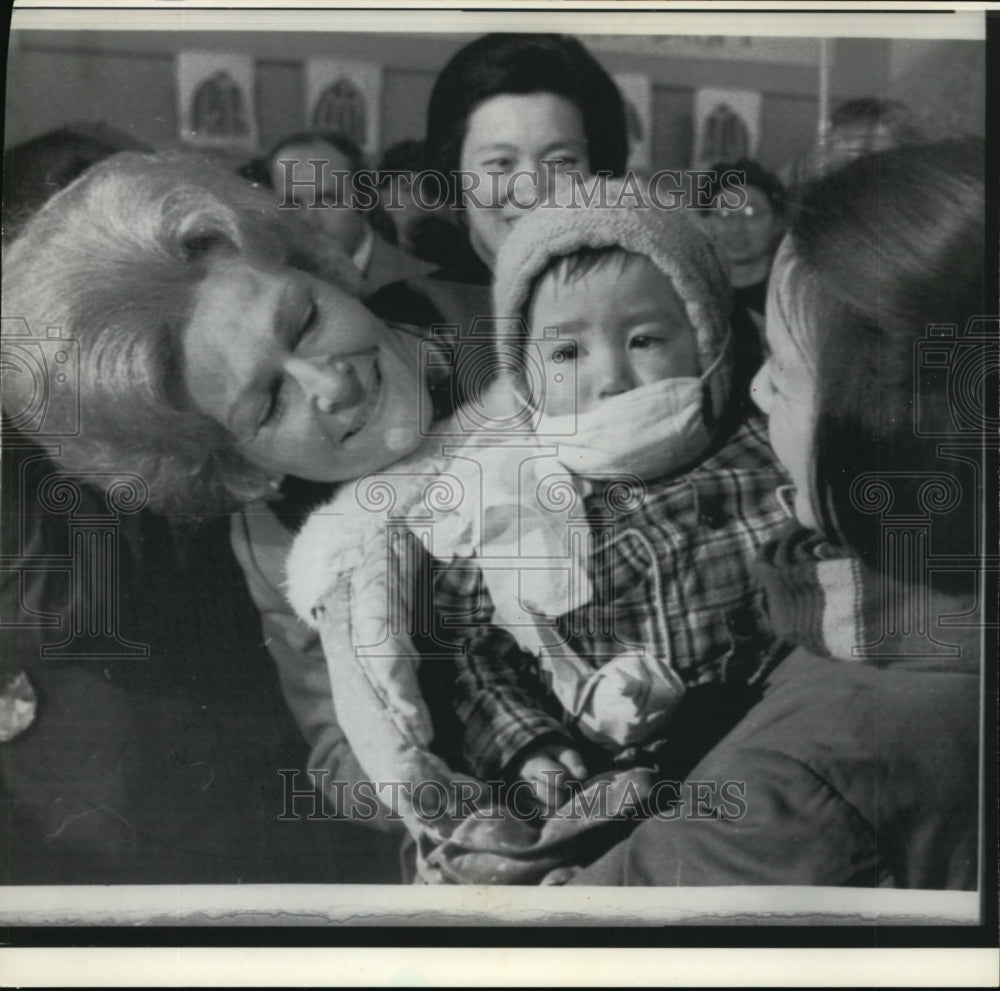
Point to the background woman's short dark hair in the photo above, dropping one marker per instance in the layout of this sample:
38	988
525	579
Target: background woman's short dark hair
870	111
520	64
883	247
408	155
757	176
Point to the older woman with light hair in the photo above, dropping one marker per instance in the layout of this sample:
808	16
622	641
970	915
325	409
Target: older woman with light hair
225	359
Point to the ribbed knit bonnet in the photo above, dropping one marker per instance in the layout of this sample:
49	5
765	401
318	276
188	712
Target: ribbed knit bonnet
672	241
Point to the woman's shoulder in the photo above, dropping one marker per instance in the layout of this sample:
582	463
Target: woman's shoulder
263	532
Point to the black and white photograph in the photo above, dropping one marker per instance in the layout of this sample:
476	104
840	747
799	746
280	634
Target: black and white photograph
471	467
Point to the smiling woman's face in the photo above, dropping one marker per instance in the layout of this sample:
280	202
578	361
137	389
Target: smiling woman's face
507	135
306	380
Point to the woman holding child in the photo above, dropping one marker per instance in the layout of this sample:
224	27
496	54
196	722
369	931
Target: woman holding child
230	335
903	814
501	106
571	102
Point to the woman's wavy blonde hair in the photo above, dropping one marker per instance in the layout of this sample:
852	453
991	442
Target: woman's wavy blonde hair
113	261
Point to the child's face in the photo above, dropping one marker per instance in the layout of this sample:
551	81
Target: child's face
620	327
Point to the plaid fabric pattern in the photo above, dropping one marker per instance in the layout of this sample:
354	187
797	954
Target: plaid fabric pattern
674	575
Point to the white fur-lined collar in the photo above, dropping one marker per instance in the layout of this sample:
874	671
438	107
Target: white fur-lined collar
321	554
335	537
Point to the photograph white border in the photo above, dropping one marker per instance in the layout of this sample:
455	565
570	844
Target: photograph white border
215	904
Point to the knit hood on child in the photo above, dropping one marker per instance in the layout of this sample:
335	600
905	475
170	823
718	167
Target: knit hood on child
576	218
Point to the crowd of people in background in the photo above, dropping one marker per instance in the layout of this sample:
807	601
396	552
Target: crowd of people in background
748	361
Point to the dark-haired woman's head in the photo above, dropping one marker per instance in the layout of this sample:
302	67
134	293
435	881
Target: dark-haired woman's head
876	252
504	104
748	232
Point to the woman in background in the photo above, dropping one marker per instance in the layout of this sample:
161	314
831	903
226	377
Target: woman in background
503	105
748	233
855	128
424	232
865	125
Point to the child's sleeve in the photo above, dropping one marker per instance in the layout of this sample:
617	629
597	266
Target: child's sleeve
500	713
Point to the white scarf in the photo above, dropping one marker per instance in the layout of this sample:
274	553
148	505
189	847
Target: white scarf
646	433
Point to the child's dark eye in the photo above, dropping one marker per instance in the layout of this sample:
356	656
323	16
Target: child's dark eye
642	342
565	352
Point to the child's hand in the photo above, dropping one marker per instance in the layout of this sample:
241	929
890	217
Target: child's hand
549	769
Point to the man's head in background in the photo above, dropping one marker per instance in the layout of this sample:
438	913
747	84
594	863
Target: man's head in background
290	172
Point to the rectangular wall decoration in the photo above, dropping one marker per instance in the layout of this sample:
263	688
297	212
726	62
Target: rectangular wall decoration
726	125
345	97
215	92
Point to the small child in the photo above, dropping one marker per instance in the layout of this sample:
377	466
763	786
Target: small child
624	602
626	308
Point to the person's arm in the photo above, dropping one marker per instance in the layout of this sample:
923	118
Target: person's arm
502	718
745	816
